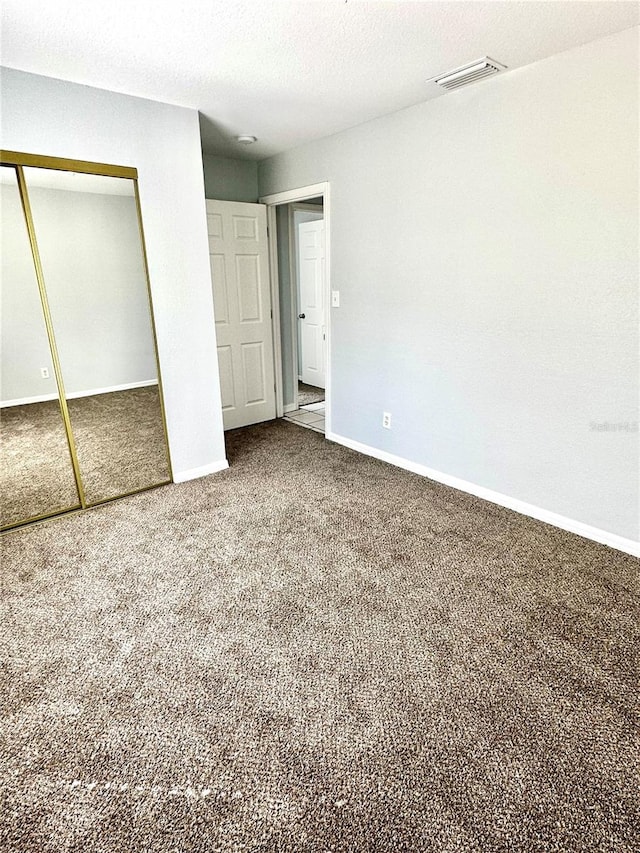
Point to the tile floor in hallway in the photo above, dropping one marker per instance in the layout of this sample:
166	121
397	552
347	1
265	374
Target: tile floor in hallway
310	416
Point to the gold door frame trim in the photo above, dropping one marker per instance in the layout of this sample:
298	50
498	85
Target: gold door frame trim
76	510
36	519
17	158
26	206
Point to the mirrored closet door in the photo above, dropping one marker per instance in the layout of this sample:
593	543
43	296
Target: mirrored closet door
36	469
82	413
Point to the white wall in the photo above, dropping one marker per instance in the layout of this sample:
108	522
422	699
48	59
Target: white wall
485	245
52	117
93	268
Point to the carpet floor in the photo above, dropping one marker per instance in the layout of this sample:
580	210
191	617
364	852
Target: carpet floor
120	445
314	651
309	394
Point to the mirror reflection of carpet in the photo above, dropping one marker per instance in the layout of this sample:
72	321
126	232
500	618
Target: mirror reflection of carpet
120	445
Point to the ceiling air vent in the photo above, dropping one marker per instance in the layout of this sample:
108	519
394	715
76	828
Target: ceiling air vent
485	67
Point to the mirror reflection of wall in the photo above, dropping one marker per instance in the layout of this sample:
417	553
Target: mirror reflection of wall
93	266
88	239
35	463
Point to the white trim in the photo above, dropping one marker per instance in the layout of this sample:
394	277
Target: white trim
26	401
274	286
301	194
293	296
307	208
76	395
203	471
613	540
290	407
326	207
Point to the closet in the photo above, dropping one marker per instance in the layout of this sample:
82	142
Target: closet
81	406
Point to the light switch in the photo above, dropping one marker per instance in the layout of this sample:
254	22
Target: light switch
335	298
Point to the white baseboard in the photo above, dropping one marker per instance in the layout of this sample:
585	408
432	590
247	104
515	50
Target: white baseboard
76	395
204	471
26	401
629	546
289	407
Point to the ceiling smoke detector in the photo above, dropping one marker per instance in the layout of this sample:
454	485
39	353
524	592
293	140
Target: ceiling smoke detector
245	139
485	67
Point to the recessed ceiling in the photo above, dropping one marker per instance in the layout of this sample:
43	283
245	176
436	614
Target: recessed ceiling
288	72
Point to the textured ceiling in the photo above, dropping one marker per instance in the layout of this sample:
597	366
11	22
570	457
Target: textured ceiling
288	72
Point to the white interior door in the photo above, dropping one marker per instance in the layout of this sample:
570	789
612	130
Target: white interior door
239	259
310	240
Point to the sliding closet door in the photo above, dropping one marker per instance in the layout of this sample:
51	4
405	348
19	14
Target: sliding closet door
36	472
94	270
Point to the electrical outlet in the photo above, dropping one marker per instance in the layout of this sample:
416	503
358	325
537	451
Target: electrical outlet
44	372
386	420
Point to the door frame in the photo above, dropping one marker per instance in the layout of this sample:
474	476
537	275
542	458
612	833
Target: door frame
301	194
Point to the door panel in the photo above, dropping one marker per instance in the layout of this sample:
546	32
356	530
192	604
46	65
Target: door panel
220	298
311	302
227	385
214	224
245	228
242	304
249	288
312	347
253	373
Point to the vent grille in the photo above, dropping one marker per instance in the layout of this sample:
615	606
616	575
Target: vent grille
485	67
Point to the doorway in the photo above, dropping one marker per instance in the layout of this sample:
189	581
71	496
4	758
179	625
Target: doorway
299	258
